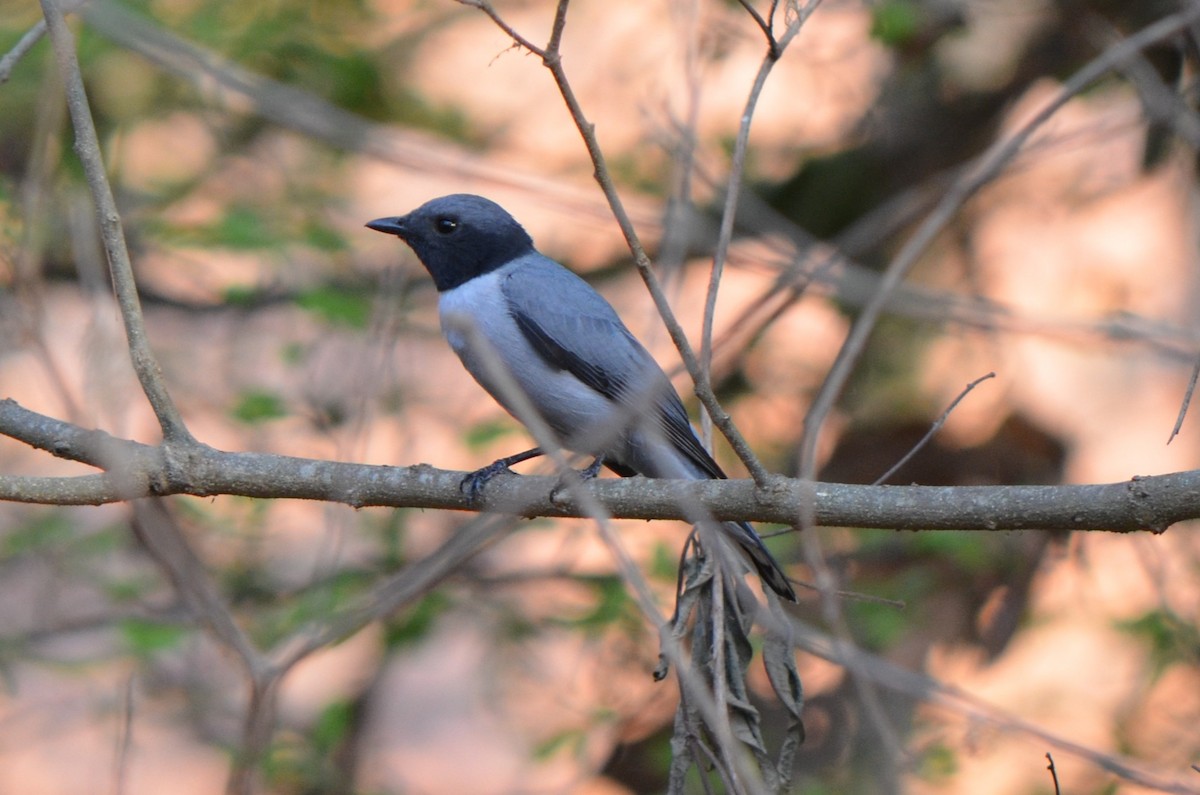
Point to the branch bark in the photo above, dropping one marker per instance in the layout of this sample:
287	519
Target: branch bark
133	470
108	220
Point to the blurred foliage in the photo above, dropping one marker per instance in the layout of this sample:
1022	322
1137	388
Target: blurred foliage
255	406
412	626
1170	639
338	305
482	434
147	638
614	608
894	22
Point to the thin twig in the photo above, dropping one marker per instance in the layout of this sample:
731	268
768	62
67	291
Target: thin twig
553	62
24	45
764	25
940	695
87	147
990	164
124	740
257	731
850	596
1187	401
843	640
399	590
509	30
933	429
524	410
720	685
1053	773
733	189
162	538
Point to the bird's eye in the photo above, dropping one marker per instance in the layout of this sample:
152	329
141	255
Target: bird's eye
445	225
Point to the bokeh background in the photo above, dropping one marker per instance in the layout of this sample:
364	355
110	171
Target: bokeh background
248	143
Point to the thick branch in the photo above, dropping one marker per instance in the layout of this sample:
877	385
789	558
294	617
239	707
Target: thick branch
138	470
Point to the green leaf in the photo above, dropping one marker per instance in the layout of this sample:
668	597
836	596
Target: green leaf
324	238
145	638
1169	639
256	406
895	22
664	563
130	589
42	530
243	295
879	625
414	626
333	725
613	605
482	434
340	307
938	763
243	228
568	738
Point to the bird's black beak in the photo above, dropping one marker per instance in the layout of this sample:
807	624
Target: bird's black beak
391	226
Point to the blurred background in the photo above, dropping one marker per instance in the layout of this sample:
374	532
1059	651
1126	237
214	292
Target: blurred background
248	143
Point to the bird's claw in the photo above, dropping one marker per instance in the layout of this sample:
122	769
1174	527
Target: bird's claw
590	472
472	485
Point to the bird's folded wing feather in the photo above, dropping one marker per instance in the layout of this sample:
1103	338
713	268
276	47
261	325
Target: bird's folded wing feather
574	329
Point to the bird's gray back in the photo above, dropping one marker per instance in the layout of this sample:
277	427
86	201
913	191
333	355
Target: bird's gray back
574	329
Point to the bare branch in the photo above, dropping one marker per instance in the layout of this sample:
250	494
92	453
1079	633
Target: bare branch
87	147
990	164
552	59
765	25
1186	402
775	48
24	45
1053	773
941	695
933	429
162	538
521	41
1143	503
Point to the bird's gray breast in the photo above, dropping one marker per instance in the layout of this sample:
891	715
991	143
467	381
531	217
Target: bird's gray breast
478	322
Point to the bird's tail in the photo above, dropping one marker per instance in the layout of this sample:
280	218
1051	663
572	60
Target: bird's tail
768	568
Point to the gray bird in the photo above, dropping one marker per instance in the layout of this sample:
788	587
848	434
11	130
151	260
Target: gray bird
563	346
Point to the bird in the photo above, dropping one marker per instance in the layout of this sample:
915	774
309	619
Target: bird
503	304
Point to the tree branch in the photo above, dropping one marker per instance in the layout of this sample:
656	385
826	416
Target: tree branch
552	59
733	186
87	147
988	166
137	470
23	46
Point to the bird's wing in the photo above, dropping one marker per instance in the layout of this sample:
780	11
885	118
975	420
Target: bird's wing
574	329
678	429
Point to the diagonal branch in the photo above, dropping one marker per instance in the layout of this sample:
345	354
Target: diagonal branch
87	147
23	46
552	58
775	48
989	165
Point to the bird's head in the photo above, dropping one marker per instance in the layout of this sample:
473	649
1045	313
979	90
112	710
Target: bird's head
459	237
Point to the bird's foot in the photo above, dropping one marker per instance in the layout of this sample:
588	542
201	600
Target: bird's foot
472	485
590	472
